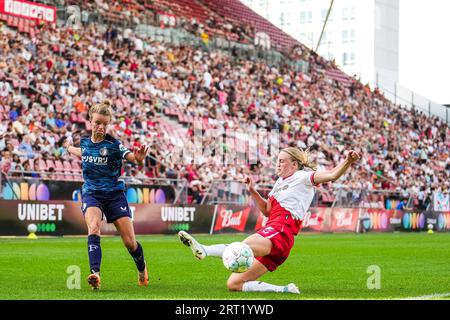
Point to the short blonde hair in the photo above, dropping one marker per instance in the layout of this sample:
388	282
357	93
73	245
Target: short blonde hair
104	108
302	158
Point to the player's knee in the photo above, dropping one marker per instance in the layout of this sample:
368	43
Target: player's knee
94	228
234	284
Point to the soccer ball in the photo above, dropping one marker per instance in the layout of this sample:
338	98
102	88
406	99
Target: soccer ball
32	228
237	257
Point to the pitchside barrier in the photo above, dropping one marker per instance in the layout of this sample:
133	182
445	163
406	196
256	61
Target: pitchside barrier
138	191
159	206
62	218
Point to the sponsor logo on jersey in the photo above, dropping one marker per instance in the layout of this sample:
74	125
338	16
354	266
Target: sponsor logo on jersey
281	188
95	160
268	230
122	148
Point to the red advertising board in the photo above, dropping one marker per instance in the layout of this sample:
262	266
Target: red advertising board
344	220
324	220
231	217
317	220
28	10
59	217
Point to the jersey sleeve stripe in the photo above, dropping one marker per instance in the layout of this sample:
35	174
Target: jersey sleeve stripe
125	153
311	177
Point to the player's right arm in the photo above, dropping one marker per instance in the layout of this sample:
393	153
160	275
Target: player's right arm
337	172
260	201
71	149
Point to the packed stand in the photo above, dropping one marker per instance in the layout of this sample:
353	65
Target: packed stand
150	82
189	15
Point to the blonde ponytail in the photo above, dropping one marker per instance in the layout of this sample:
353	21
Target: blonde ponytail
302	157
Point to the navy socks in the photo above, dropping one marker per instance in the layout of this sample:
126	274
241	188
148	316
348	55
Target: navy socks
94	252
138	257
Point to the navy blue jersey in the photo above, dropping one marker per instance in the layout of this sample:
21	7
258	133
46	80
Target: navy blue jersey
102	163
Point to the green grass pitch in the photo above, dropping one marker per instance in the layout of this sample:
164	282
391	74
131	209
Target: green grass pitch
333	266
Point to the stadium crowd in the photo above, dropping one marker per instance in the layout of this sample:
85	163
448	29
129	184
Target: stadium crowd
165	14
155	86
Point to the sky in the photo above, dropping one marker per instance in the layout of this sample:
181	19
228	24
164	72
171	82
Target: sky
424	47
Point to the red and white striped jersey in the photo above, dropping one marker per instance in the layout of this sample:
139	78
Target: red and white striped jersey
293	194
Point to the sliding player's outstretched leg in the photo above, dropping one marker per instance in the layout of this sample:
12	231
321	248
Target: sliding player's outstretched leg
247	281
241	281
264	261
197	249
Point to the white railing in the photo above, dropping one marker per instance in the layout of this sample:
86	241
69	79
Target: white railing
400	95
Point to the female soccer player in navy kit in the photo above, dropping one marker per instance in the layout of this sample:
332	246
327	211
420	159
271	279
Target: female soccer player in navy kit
286	207
102	192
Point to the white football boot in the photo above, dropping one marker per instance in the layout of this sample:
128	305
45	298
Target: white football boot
291	288
189	241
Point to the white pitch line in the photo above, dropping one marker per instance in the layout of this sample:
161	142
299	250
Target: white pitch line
431	296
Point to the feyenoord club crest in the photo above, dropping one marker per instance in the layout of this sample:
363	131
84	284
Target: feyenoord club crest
103	152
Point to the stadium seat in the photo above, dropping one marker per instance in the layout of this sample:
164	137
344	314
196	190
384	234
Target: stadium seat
32	166
91	66
67	166
59	166
76	167
44	101
42	166
60	170
73	117
81	118
50	164
58	108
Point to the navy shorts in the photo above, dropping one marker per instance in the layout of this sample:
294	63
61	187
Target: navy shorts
114	205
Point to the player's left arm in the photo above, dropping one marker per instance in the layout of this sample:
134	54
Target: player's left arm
138	156
338	171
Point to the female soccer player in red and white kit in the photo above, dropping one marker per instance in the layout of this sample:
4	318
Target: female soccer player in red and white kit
286	207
